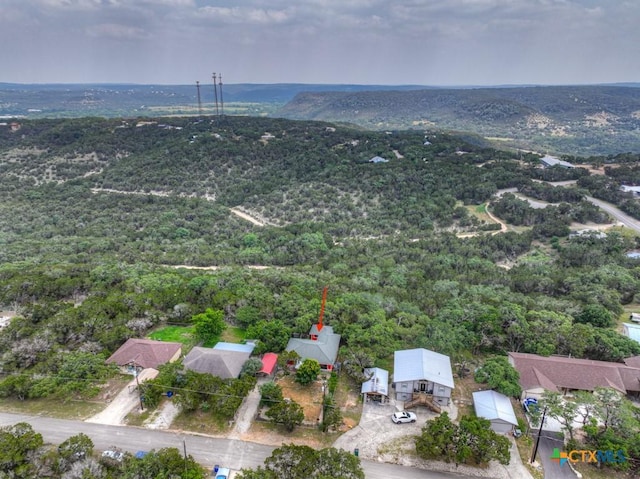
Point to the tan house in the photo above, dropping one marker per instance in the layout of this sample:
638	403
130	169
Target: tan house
138	354
564	375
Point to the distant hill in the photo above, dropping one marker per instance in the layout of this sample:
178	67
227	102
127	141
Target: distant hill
116	100
586	120
575	120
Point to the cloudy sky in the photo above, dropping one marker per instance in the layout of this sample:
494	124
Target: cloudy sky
426	42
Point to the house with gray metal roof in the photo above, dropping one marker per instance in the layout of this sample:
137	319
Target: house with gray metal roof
422	372
218	362
322	345
497	408
376	387
549	161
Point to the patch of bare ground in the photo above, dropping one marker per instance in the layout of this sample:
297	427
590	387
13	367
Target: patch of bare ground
309	396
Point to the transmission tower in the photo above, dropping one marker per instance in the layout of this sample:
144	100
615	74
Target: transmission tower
215	90
199	100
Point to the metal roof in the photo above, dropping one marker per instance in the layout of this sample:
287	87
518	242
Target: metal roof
632	330
420	363
492	405
242	348
324	349
377	383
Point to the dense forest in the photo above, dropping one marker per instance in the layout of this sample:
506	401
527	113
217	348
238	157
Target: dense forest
99	218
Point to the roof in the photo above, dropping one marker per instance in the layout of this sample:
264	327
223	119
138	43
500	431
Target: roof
243	348
269	362
555	373
552	161
378	382
633	362
217	362
632	330
417	364
492	405
378	159
145	353
324	349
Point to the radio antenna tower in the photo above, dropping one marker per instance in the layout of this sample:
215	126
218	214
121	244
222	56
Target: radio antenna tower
215	89
221	100
199	100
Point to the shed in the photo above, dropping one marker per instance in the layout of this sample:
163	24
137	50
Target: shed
376	387
496	408
632	331
269	363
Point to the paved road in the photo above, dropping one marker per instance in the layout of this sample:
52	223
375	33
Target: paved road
206	450
623	218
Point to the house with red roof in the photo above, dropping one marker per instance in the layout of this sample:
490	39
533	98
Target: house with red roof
136	354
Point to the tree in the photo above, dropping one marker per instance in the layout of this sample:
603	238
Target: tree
355	362
74	449
19	444
437	440
308	371
273	336
561	410
288	413
500	375
164	463
209	325
596	315
251	367
471	442
271	393
478	443
302	462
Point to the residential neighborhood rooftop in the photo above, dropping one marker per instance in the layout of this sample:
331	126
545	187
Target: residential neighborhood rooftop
145	353
417	364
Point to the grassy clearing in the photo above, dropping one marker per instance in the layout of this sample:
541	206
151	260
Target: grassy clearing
233	335
200	422
70	409
175	334
269	433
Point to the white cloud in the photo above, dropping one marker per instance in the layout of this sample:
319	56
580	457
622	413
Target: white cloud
115	31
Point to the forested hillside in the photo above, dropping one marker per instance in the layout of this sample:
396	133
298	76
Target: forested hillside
97	216
587	120
98	209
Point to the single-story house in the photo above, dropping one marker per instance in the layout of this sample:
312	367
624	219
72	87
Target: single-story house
417	371
222	363
564	375
497	408
634	190
137	354
376	388
549	161
632	331
269	364
322	345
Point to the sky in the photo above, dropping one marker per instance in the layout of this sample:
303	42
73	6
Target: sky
384	42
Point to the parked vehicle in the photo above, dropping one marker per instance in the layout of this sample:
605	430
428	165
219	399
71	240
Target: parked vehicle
221	472
403	416
115	455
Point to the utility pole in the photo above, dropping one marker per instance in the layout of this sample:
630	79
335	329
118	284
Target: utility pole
215	90
184	446
138	387
199	100
221	100
535	449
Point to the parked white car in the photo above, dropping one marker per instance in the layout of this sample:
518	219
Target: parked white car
403	416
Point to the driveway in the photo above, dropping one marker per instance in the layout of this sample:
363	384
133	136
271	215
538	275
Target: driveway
552	469
124	402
